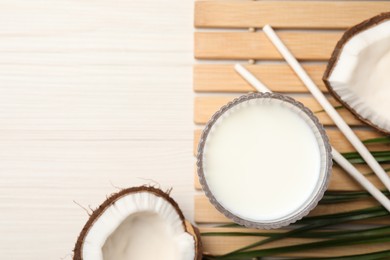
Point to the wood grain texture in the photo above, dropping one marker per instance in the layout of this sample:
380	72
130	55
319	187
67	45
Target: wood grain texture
94	95
222	244
278	77
285	14
247	45
206	106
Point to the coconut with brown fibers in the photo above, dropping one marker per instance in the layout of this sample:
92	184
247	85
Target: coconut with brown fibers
138	223
358	73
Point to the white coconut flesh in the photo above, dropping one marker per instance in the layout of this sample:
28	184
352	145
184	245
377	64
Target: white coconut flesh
139	226
361	76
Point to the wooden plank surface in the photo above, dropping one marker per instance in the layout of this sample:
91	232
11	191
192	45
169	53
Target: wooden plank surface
278	77
91	92
206	106
222	244
285	14
249	45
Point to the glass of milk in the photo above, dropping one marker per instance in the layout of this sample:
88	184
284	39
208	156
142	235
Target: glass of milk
264	160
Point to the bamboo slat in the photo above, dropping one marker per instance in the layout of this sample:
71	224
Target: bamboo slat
205	107
206	213
285	14
248	45
218	245
278	77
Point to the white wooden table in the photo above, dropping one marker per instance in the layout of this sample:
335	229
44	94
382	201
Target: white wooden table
93	94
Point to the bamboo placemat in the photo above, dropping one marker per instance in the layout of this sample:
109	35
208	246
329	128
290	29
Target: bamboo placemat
228	33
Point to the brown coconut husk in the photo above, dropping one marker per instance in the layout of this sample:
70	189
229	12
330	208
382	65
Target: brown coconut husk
351	32
189	228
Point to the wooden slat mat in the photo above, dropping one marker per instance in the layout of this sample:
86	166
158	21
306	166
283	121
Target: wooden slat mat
223	78
206	106
285	14
247	45
311	30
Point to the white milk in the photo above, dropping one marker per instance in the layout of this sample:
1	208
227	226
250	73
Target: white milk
261	161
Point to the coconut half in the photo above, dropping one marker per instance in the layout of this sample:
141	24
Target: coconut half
358	73
138	223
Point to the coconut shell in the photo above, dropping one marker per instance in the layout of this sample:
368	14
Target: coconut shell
350	33
188	227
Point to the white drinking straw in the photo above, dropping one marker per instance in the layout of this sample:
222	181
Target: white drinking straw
337	119
345	164
361	179
257	84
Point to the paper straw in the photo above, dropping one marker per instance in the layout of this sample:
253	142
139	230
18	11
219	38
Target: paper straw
319	96
344	163
257	84
348	167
